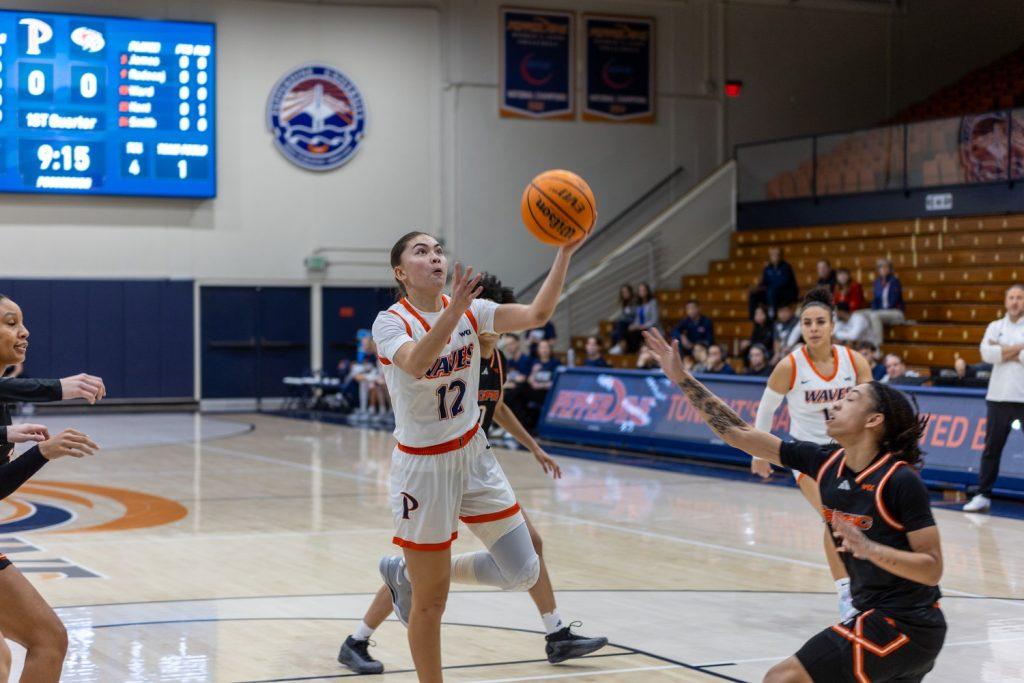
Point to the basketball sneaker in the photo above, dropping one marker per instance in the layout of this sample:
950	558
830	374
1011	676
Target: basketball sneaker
564	644
392	570
979	503
355	654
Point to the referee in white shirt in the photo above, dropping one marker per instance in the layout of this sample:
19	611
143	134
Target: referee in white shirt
1003	347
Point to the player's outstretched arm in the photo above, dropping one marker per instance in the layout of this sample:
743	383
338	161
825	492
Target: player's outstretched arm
719	416
519	317
415	358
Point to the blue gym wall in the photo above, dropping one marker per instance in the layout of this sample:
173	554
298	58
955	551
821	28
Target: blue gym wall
136	334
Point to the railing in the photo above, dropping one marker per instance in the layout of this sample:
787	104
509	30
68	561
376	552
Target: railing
974	149
686	233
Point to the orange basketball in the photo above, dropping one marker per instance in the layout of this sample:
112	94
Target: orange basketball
558	207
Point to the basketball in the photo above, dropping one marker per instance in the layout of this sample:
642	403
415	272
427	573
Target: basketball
558	207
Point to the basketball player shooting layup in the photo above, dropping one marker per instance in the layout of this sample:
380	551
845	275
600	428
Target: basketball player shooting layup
561	643
442	470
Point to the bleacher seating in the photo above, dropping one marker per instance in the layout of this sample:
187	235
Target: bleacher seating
872	160
954	273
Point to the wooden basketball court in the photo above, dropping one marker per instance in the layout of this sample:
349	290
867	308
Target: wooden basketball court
245	548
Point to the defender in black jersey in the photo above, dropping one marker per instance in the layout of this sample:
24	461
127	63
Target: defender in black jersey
561	643
26	618
878	510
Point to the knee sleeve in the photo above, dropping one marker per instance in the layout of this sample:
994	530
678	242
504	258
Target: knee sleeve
511	563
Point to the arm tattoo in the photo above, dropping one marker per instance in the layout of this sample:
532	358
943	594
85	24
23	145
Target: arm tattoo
719	416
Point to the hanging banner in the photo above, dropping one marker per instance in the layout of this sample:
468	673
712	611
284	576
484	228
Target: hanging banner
536	64
620	69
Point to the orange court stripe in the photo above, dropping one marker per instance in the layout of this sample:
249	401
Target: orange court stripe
21	510
39	489
141	509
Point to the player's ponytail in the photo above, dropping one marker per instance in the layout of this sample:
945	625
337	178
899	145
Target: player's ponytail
396	257
904	425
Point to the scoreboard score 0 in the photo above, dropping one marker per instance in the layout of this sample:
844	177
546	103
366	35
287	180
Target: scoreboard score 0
106	105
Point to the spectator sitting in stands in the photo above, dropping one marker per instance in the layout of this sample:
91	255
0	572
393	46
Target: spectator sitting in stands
693	329
787	333
646	360
761	333
373	396
540	333
700	355
886	302
848	291
826	276
896	371
594	359
520	363
962	375
777	287
965	371
526	399
757	361
647	316
718	361
626	317
849	328
689	363
870	352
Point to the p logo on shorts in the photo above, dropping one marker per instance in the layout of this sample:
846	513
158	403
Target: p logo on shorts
409	504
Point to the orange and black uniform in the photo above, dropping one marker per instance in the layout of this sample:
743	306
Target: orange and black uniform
900	628
492	379
15	473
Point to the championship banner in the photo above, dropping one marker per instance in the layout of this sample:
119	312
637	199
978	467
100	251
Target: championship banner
645	412
620	69
536	64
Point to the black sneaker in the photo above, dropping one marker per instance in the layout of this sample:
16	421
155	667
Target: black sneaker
355	655
564	644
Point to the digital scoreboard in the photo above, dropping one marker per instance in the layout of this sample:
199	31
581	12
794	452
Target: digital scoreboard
106	105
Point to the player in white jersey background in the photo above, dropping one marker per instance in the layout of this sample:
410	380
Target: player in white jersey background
442	469
810	379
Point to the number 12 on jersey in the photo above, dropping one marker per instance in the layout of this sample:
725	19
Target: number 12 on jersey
457	390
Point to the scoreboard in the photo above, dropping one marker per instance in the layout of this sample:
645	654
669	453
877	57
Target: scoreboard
106	105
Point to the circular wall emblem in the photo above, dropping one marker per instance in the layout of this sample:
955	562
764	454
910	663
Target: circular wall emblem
317	117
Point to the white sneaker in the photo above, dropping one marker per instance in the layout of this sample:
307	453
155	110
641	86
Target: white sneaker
615	350
979	503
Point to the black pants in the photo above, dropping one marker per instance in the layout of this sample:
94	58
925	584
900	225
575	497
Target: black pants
876	646
997	428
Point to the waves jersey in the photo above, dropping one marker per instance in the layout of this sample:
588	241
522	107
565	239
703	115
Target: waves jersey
442	404
810	392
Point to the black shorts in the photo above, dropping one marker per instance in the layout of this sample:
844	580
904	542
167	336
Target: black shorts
876	645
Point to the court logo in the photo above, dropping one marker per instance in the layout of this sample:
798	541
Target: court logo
317	117
71	507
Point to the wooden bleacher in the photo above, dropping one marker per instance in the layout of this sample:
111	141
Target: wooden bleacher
954	273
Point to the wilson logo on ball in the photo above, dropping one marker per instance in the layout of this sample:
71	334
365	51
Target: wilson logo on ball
558	207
